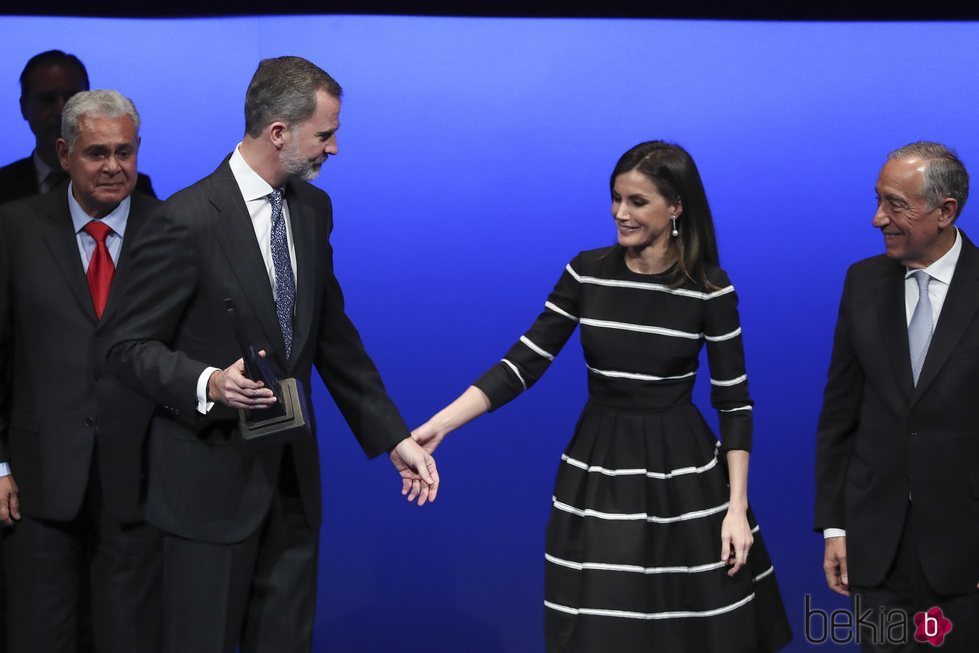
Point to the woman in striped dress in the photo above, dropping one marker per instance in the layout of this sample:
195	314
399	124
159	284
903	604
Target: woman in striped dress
651	545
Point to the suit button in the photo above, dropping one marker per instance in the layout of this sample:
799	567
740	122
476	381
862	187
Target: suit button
89	421
914	434
98	378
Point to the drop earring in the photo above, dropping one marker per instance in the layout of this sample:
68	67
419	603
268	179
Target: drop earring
675	232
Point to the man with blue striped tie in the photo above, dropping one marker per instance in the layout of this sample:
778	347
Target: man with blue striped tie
241	524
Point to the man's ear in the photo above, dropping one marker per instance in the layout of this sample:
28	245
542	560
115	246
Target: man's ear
61	147
278	134
949	207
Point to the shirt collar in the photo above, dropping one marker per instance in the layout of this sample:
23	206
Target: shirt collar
944	268
116	220
41	168
250	183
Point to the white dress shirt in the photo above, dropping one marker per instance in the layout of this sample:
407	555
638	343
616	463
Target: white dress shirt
941	272
255	191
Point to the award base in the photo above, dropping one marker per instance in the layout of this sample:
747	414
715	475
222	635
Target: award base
285	421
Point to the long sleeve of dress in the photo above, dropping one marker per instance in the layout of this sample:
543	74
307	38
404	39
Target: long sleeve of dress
531	355
725	356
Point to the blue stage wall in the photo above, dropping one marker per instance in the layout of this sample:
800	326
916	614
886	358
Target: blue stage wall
474	161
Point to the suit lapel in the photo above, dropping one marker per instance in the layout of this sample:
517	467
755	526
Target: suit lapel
59	233
139	212
301	226
237	236
892	316
958	312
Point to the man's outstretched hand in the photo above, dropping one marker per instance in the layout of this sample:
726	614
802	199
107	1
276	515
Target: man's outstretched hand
419	476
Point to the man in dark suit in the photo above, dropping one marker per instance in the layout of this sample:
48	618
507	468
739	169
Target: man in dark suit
72	437
897	456
241	522
48	81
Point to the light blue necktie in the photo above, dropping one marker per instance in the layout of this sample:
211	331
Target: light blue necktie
285	283
921	326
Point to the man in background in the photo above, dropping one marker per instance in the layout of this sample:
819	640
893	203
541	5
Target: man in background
72	437
48	81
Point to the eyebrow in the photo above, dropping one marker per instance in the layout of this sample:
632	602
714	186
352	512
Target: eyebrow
328	132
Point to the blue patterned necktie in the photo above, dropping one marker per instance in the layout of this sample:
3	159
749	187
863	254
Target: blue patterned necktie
921	326
285	283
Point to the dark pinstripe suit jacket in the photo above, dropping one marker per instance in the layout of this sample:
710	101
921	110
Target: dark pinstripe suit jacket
199	249
57	398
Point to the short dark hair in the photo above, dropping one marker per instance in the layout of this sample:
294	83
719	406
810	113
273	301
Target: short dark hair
284	89
49	58
945	175
672	170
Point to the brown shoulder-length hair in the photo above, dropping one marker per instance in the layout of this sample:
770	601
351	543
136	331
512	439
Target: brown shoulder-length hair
675	175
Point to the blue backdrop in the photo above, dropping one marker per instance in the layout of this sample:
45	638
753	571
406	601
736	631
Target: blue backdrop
474	162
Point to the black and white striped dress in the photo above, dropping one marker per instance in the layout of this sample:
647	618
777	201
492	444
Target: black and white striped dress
633	540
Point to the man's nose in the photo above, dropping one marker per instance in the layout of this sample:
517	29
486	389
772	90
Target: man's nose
880	218
111	165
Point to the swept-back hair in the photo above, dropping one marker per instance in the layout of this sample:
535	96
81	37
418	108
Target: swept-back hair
99	102
945	175
284	89
49	58
672	170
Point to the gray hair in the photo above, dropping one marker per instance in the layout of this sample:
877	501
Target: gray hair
111	104
945	175
284	89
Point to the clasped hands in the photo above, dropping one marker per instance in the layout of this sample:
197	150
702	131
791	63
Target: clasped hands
419	475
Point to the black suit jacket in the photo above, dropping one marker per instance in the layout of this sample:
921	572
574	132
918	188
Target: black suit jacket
57	397
199	250
19	180
882	438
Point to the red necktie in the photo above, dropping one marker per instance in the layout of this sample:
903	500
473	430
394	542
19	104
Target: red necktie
100	267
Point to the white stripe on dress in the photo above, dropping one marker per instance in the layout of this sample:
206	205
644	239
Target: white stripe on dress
633	569
639	471
734	410
650	615
637	569
534	348
767	572
637	516
641	328
729	382
642	285
723	337
560	311
640	377
514	369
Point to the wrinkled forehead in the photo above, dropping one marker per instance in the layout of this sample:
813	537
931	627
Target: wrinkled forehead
106	128
903	175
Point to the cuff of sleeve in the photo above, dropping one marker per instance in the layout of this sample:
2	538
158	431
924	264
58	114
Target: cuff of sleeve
4	469
203	405
500	385
833	532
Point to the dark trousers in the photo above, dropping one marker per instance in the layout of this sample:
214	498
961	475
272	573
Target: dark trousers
906	589
51	564
259	594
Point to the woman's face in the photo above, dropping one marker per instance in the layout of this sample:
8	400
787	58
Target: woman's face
642	215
